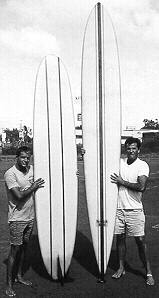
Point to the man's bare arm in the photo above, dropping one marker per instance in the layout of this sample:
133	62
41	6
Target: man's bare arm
22	194
139	186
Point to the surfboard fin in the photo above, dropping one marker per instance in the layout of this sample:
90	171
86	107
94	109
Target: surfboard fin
59	272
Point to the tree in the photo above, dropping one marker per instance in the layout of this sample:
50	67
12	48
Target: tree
150	124
12	135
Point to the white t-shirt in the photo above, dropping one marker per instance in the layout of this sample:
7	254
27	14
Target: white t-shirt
19	210
127	198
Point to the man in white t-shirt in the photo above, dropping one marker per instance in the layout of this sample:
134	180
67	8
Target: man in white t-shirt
130	218
20	189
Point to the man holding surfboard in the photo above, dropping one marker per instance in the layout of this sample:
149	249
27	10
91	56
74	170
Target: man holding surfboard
20	188
130	218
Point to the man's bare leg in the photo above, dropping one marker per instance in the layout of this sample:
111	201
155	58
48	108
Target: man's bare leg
142	249
121	250
19	277
10	268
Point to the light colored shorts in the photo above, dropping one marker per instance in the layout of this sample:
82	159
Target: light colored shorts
20	231
130	222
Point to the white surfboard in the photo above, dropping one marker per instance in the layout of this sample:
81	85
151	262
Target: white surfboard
101	121
55	160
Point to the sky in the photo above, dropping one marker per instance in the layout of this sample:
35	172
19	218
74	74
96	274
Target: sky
30	30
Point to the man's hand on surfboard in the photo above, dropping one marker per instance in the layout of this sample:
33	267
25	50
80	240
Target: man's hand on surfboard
39	183
116	179
83	151
77	173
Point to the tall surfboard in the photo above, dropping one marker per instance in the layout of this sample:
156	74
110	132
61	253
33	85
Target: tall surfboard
101	122
55	160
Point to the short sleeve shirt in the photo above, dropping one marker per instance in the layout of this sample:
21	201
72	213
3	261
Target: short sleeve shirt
19	210
127	198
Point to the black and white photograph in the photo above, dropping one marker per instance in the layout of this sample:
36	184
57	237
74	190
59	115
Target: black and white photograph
79	148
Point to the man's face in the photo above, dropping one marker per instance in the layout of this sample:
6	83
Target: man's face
23	159
132	152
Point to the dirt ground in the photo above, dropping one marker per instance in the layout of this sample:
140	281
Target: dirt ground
82	278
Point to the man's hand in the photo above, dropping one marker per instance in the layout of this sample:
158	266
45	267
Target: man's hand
83	151
77	173
116	179
39	183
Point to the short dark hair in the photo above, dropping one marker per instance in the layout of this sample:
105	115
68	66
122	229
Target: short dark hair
22	149
132	140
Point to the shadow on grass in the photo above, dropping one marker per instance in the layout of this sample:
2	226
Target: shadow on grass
84	254
34	258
